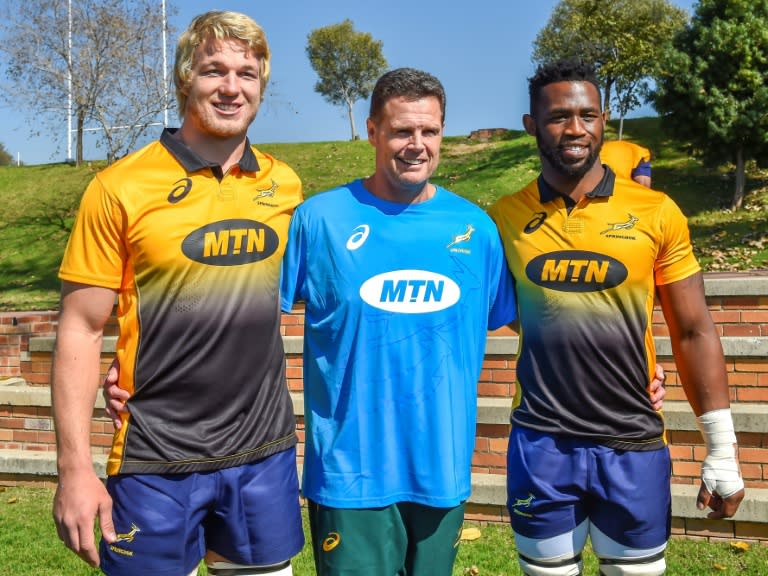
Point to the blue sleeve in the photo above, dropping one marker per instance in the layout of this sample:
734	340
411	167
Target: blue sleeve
504	305
293	271
643	168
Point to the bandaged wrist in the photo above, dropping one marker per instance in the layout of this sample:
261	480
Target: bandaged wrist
717	429
720	470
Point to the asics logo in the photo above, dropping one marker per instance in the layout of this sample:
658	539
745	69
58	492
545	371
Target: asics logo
358	237
535	222
331	541
180	190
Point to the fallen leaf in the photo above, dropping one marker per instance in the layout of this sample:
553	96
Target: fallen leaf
12	500
470	534
739	546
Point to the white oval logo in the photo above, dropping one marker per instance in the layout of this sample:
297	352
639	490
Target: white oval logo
358	237
410	291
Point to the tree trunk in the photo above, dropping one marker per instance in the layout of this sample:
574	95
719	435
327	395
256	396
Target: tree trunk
79	142
607	98
621	126
738	193
350	113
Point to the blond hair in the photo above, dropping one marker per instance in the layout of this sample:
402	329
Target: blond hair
218	25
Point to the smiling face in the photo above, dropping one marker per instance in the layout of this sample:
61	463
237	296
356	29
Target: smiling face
407	135
223	92
568	125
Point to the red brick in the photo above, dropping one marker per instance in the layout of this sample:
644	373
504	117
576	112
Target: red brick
493	390
741	302
25	436
725	316
751	365
492	430
755	317
741	330
481	445
504	376
680	452
751	471
498	445
710	528
494	362
749	530
753	455
752	395
742	379
686	469
12	423
46	437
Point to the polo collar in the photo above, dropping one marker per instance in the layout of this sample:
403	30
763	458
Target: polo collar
192	162
603	189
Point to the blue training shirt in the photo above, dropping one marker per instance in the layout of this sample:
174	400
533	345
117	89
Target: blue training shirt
399	298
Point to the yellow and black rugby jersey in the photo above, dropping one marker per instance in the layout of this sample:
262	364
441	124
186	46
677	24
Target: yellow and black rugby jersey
625	157
195	257
585	278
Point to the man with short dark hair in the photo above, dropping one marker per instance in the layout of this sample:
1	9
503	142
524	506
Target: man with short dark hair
401	280
587	454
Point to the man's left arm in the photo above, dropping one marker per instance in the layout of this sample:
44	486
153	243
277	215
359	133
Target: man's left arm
701	366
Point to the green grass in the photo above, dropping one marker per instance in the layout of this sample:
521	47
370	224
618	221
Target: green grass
30	547
39	202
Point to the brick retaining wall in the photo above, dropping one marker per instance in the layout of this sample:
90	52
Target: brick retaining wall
739	307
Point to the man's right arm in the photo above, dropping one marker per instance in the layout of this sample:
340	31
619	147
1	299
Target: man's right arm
80	495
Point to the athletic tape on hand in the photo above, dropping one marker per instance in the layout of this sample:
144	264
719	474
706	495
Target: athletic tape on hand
720	471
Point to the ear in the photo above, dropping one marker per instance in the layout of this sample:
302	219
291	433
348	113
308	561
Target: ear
530	124
371	128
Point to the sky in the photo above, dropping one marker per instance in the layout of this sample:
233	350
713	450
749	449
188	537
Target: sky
481	52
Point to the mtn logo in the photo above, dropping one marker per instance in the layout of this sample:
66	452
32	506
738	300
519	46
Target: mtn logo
410	292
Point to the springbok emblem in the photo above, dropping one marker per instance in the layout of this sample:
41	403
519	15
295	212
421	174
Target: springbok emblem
523	503
129	536
267	191
614	227
462	237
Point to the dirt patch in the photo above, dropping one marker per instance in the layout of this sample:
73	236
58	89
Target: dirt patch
462	149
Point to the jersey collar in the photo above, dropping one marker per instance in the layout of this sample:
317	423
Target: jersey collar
604	189
193	162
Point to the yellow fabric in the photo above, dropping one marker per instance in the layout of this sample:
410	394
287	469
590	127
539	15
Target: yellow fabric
195	261
623	156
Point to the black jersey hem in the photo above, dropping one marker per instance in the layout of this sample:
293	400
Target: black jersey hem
630	445
209	464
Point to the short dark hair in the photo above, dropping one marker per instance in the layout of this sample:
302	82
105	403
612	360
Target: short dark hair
566	70
409	83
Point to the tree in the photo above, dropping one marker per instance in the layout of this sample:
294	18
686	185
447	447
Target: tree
347	64
112	55
624	39
713	92
5	157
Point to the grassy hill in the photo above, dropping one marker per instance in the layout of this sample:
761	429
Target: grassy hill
39	202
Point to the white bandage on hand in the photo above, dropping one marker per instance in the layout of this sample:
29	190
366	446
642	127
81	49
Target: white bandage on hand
720	471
